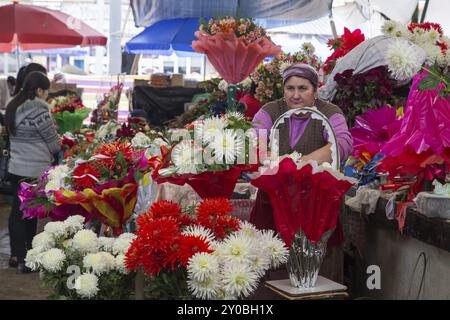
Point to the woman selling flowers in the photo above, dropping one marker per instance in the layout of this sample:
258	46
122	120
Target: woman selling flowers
308	137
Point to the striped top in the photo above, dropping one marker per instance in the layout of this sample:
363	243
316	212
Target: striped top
35	141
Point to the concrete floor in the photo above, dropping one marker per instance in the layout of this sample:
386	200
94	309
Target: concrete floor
14	286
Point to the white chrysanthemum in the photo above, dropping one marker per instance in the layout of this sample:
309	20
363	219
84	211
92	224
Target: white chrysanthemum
53	259
247	229
390	27
120	264
223	85
275	247
284	66
433	52
140	140
212	126
260	262
56	178
184	155
433	35
308	47
237	248
239	280
121	245
403	60
199	231
85	241
106	243
33	260
203	266
44	240
87	285
74	223
100	262
227	146
206	289
127	235
234	115
56	229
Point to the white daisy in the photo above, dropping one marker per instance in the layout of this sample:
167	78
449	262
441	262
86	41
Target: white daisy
433	52
44	240
199	231
56	229
275	247
239	280
74	223
99	263
33	260
184	156
56	178
53	259
87	285
228	146
202	266
85	241
206	289
403	60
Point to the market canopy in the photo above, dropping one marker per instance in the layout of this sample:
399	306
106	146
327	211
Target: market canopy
31	27
165	37
271	12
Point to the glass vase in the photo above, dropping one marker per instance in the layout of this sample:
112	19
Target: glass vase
305	259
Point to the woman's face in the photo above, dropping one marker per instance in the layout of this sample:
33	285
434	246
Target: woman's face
42	94
299	92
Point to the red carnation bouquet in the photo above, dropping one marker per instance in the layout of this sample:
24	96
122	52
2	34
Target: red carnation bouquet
168	236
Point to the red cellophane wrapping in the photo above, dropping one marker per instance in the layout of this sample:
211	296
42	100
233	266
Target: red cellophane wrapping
303	198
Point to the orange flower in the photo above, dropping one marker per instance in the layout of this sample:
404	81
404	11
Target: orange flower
110	150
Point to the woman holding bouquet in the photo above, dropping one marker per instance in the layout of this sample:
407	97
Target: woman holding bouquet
33	143
309	138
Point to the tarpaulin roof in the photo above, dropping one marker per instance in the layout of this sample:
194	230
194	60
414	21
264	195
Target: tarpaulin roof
269	13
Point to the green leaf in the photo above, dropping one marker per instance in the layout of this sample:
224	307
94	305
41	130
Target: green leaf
429	83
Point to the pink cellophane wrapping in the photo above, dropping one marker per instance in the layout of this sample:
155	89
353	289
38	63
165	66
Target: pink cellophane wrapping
424	136
373	129
304	197
231	57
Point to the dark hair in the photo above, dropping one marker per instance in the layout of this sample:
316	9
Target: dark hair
33	81
24	71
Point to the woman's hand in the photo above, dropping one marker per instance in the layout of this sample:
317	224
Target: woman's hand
320	155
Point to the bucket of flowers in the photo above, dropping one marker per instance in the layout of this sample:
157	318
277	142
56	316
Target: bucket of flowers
76	264
201	252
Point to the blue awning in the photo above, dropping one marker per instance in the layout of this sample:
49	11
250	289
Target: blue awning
166	37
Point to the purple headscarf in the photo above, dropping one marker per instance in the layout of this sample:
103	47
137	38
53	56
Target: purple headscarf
301	70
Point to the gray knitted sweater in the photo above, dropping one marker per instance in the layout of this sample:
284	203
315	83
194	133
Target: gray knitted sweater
35	141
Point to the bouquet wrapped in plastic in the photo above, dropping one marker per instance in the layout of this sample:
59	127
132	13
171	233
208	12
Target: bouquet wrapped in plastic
69	113
234	46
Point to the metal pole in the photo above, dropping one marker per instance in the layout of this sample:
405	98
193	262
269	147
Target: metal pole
17	57
115	51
